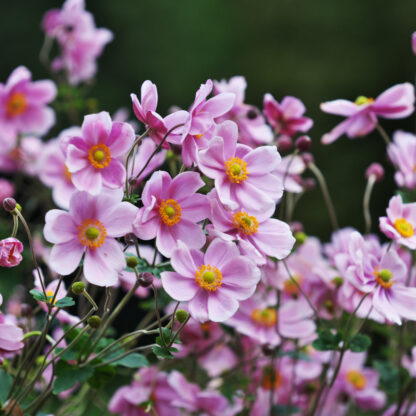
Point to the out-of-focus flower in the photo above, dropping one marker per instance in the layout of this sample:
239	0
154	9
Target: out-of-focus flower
414	42
211	282
90	227
190	397
94	158
252	128
149	390
244	178
80	41
259	319
287	117
171	210
6	189
402	153
396	102
199	123
400	223
10	249
23	106
53	171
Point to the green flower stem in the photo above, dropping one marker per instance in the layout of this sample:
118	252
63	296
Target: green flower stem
383	134
366	202
324	188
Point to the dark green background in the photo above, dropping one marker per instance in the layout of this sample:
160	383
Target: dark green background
315	50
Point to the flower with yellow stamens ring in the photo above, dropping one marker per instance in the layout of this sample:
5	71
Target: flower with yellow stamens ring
100	156
245	223
170	212
208	277
236	169
92	233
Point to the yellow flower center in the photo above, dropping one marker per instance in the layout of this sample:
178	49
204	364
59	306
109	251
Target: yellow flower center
49	294
271	379
236	169
383	277
404	228
245	223
290	287
100	156
92	233
208	277
170	212
16	104
67	174
264	317
199	136
362	99
357	379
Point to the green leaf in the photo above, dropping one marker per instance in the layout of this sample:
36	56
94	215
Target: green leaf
134	360
65	302
101	376
298	355
5	384
389	376
162	352
38	295
68	355
359	343
67	375
284	410
327	341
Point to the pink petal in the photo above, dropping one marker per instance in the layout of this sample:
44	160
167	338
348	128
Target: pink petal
121	138
59	227
179	287
198	306
64	258
221	306
114	174
96	128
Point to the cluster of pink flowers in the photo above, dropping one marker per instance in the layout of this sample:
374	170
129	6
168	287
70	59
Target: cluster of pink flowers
259	317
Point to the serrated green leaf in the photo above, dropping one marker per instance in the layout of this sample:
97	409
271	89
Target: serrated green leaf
38	295
5	384
134	360
65	302
327	341
67	375
162	352
101	376
359	343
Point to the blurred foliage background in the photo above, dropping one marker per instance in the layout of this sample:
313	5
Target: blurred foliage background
317	51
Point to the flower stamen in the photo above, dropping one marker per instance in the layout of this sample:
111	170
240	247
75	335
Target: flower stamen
384	277
236	169
357	379
92	233
404	228
170	212
208	277
264	317
100	156
245	223
16	104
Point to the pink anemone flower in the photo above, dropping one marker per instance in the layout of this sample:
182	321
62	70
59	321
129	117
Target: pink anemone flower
93	158
372	269
402	153
252	127
171	211
90	227
10	249
396	102
286	118
213	282
199	123
11	337
259	319
258	236
400	223
244	177
23	105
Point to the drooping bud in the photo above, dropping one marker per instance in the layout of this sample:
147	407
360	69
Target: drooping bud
309	184
132	262
308	158
375	169
130	239
296	227
145	279
284	143
9	204
303	143
25	310
181	315
78	288
94	321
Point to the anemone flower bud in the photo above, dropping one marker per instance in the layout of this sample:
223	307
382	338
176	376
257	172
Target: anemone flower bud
375	169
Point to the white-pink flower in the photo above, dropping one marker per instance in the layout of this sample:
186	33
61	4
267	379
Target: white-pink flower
90	227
